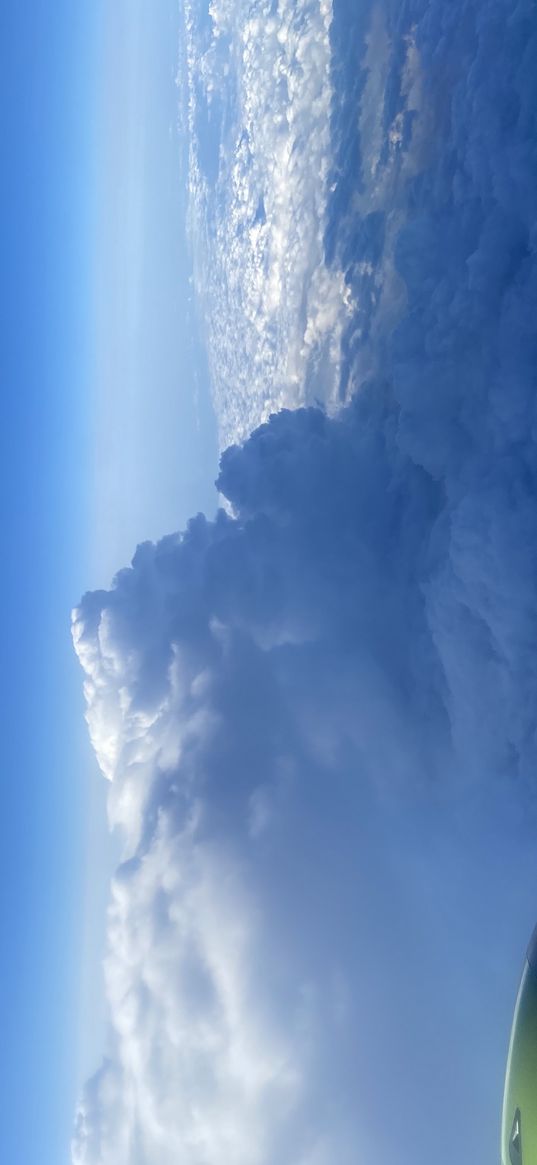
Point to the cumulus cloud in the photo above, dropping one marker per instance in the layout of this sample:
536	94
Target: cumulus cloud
317	712
304	924
259	96
431	202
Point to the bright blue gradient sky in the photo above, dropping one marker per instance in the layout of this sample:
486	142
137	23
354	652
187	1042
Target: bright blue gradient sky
154	439
46	68
79	351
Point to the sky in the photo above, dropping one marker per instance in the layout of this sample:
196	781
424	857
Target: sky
44	511
77	495
153	432
269	903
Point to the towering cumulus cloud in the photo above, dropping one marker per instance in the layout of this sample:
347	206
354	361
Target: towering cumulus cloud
310	714
317	713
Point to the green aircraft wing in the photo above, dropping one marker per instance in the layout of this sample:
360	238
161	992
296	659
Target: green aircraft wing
519	1117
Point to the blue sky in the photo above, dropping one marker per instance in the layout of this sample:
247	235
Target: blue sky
46	65
154	454
74	501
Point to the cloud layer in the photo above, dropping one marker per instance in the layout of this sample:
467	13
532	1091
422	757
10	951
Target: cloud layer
317	713
257	106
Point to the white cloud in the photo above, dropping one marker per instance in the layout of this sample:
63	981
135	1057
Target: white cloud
318	715
308	903
274	312
201	1073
